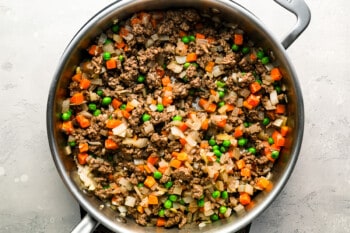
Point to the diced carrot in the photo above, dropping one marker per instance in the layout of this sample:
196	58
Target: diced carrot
209	67
200	36
116	103
126	48
77	77
152	159
67	127
110	144
161	222
205	124
211	108
77	98
152	199
238	132
149	182
253	100
166	81
275	147
140	209
135	20
203	103
229	107
167	100
275	74
129	107
94	50
183	127
238	39
191	57
245	172
140	166
84	83
269	157
123	31
83	121
254	87
280	108
167	88
240	164
111	64
211	158
216	175
182	141
126	114
210	40
182	156
284	130
120	45
110	177
112	123
221	123
278	139
82	158
204	144
175	163
160	72
262	182
246	105
162	169
253	56
244	198
147	169
182	33
83	147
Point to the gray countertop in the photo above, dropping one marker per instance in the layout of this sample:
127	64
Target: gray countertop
34	34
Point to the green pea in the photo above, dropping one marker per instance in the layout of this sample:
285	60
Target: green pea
222	209
186	65
99	92
168	204
214	217
72	144
161	213
140	79
217	160
97	112
185	39
121	58
245	50
177	118
173	197
242	141
275	154
216	147
220	104
160	107
222	149
212	142
226	143
278	89
266	121
216	194
265	60
220	84
115	28
168	184
235	48
108	41
122	107
92	107
195	65
200	202
192	38
221	94
260	54
191	92
270	141
146	117
106	100
106	56
246	124
140	185
157	175
258	81
224	194
66	116
252	150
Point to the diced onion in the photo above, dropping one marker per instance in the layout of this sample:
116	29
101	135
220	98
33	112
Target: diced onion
176	68
65	105
149	43
164	38
175	131
139	161
274	97
138	143
239	209
122	209
155	37
180	59
128	37
278	122
120	130
117	38
109	47
177	189
102	39
171	108
67	150
134	103
126	183
217	71
96	81
249	189
148	127
130	201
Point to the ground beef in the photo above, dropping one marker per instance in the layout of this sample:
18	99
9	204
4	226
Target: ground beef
175	112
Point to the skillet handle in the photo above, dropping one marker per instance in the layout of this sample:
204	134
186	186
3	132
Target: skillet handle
86	225
302	12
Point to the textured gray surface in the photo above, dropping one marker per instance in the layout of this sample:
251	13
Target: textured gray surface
32	37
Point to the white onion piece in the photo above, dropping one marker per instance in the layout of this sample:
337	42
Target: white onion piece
228	212
149	43
117	38
176	68
164	38
148	127
278	122
191	140
171	108
155	37
134	103
217	71
67	150
120	130
177	189
249	189
128	37
126	183
96	81
85	114
274	97
95	143
139	161
122	209
102	39
175	131
239	209
138	143
109	47
65	105
85	176
180	59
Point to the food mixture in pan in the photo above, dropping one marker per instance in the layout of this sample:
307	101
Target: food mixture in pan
175	117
